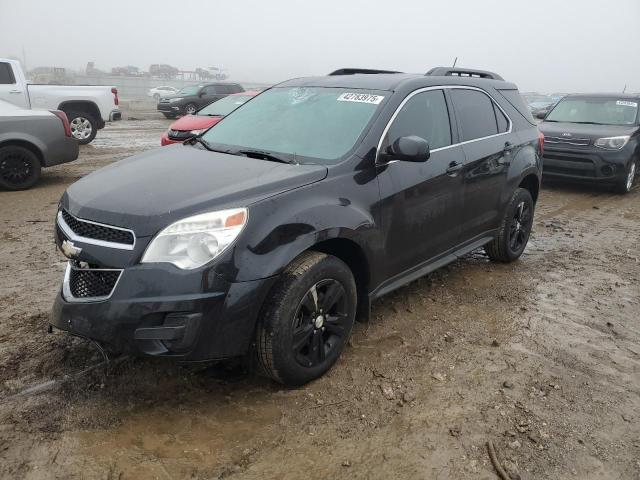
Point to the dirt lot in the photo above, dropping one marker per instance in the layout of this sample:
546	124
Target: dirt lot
541	356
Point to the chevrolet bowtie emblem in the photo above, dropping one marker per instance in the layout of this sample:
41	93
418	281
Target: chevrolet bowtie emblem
69	249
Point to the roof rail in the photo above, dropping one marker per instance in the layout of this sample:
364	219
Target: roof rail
462	72
353	71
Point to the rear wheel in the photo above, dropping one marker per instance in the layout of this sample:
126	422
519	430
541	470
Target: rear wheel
190	108
625	184
19	168
83	126
514	230
308	319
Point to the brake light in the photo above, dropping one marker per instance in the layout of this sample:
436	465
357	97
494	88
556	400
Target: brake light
65	121
116	100
541	142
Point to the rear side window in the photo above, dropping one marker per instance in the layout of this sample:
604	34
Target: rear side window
475	113
225	89
235	88
210	90
6	74
425	115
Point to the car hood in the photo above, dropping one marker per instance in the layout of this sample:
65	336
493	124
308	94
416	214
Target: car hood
582	130
194	122
147	192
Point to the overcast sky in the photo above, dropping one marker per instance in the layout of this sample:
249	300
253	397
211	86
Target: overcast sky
544	45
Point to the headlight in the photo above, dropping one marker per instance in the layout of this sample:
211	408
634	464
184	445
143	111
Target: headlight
173	100
193	241
612	143
197	132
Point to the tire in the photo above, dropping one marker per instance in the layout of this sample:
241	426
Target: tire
319	323
169	115
190	109
625	184
83	126
19	168
515	228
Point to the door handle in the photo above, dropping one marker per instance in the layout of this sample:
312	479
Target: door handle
454	167
15	91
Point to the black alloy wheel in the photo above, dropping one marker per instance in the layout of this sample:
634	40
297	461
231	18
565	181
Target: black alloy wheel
320	323
19	168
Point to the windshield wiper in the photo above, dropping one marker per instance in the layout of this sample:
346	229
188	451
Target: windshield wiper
266	156
205	144
590	123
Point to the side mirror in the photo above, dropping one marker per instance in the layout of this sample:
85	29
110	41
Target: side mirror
409	149
541	115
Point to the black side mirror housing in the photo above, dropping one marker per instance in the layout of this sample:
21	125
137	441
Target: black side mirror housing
541	115
409	149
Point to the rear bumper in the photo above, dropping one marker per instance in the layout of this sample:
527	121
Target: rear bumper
63	150
584	164
115	115
150	312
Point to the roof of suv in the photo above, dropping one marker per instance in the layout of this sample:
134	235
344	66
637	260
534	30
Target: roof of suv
392	81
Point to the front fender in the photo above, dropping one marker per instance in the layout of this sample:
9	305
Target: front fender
281	228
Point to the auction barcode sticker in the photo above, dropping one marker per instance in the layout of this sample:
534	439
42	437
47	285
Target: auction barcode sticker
361	97
624	103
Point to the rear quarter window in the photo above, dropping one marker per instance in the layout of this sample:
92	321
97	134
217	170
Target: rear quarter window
514	98
475	113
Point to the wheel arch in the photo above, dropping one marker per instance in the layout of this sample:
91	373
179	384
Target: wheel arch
531	182
86	106
37	151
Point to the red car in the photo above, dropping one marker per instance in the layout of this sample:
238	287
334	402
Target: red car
191	125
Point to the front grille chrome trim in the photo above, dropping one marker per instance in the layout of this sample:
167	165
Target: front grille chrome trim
579	142
66	285
92	241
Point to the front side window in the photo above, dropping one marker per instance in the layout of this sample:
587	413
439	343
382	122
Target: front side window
426	116
604	111
308	124
475	112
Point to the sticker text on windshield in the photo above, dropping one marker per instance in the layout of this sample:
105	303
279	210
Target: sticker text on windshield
360	97
624	103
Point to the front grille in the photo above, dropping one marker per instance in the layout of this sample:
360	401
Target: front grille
92	284
579	142
83	228
179	134
566	158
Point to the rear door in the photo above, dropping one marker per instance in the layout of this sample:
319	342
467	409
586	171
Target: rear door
485	134
211	93
421	201
10	90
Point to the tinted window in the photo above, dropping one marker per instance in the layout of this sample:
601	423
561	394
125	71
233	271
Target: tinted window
514	98
503	122
6	74
475	114
426	116
211	90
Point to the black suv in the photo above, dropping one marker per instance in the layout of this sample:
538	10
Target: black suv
272	232
593	138
192	98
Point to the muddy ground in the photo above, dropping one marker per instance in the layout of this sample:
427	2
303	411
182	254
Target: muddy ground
541	356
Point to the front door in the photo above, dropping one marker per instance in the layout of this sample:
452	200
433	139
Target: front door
10	91
421	202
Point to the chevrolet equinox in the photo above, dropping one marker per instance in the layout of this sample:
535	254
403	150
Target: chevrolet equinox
269	234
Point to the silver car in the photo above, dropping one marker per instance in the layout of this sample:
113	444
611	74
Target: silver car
29	141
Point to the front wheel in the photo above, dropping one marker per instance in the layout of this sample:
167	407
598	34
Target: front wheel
625	184
169	115
19	168
514	230
83	126
307	320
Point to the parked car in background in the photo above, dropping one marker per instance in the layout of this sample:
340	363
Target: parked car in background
29	141
163	70
192	125
88	108
160	92
272	231
192	98
593	138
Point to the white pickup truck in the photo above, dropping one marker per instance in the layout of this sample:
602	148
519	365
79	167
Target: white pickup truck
88	107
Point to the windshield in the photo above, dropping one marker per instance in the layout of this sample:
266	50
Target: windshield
312	125
606	111
191	90
224	106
